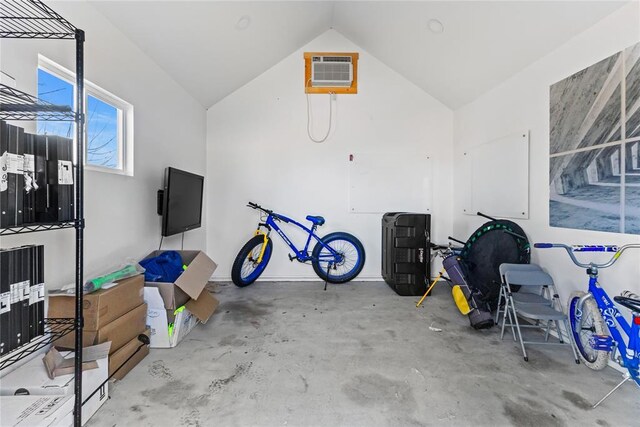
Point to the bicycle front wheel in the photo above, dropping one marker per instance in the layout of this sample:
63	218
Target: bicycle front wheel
343	262
584	325
247	267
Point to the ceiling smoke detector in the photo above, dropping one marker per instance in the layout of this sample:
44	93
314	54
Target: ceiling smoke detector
243	23
435	26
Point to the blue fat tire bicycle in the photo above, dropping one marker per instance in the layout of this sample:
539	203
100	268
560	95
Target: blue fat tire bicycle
597	326
336	258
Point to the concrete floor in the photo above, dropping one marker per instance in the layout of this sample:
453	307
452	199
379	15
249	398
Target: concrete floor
279	354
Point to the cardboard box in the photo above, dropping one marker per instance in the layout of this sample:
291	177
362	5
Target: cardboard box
119	332
36	411
164	334
103	306
193	280
176	308
123	329
119	357
67	342
173	296
52	396
57	365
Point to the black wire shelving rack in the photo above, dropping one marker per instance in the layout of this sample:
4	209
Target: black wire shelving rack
32	19
18	105
54	329
32	228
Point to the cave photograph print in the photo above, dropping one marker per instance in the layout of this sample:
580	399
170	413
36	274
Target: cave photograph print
594	168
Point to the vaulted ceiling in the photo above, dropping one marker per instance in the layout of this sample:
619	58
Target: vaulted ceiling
212	48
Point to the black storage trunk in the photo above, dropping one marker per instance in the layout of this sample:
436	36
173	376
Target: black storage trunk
406	260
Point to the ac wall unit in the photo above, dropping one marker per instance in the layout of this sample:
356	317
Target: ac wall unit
331	71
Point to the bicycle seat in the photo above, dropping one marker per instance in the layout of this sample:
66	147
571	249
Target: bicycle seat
630	303
316	220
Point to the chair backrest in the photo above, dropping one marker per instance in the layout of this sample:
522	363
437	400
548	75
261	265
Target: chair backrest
534	284
518	267
528	278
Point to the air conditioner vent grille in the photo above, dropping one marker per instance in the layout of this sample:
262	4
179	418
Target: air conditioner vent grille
334	73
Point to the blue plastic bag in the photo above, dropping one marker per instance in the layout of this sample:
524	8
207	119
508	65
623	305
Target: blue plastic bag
166	267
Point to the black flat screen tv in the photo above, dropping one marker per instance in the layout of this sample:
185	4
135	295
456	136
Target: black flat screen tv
181	201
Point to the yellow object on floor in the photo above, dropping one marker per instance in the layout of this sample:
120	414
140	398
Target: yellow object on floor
430	287
460	300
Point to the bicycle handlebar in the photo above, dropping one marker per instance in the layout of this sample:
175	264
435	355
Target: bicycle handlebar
258	207
580	248
275	216
543	245
617	250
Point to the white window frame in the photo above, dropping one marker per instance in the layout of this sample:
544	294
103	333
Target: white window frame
125	117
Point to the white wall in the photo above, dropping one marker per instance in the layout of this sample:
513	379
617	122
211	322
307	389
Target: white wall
258	150
522	102
169	131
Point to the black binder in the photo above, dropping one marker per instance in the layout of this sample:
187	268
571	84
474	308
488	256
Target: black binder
54	171
5	303
11	175
30	180
15	324
35	325
42	178
15	162
33	294
36	303
24	254
65	178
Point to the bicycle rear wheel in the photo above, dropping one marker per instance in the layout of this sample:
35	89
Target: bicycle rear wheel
349	263
584	325
246	268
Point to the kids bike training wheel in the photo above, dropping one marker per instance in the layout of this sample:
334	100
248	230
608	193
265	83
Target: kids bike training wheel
246	268
351	258
584	324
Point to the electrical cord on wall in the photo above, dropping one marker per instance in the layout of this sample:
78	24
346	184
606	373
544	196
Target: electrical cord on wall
181	245
323	139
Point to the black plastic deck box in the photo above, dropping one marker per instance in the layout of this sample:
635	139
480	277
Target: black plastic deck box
406	258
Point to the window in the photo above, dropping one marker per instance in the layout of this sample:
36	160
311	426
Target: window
109	142
103	140
57	91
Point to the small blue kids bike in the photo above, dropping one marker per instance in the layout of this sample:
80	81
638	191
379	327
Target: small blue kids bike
336	257
596	323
